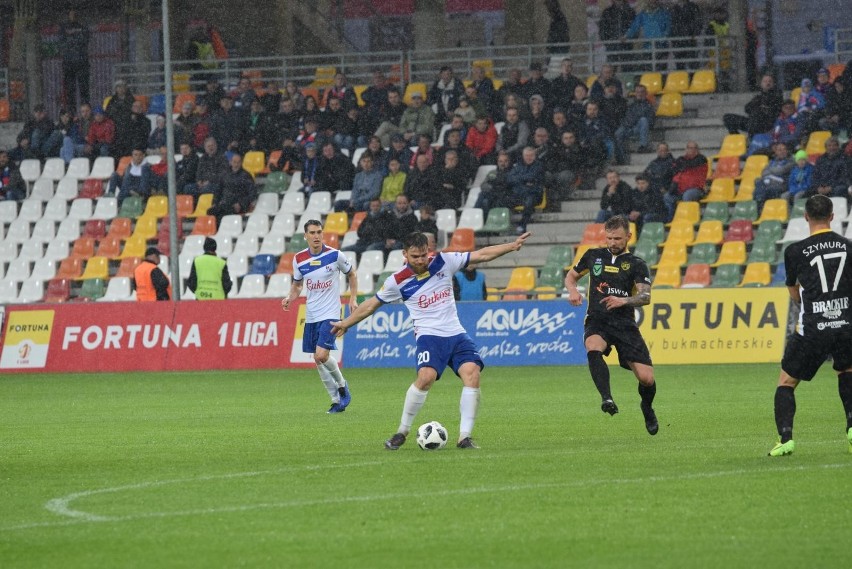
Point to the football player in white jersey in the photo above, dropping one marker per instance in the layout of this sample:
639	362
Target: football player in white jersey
425	285
317	268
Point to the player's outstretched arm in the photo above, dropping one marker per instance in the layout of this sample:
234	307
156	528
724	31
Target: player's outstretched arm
365	309
490	253
574	296
295	291
353	290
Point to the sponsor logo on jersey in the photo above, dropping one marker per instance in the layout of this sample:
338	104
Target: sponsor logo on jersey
317	285
425	301
830	308
316	262
609	269
835	324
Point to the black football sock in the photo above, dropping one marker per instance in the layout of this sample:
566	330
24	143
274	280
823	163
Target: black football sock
844	387
600	373
647	393
785	410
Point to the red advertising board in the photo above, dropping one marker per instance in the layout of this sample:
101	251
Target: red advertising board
153	336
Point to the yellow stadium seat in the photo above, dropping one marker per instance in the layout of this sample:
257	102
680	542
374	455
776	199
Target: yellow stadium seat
795	94
180	82
653	82
337	223
205	202
497	84
680	232
677	82
590	80
667	276
733	145
674	255
687	211
96	268
134	247
746	190
487	65
671	105
703	81
413	88
359	90
757	274
732	253
254	162
722	190
816	143
710	231
492	293
146	228
157	206
522	278
324	77
774	209
754	166
634	235
106	101
545	293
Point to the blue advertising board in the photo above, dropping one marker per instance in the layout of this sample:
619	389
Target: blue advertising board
522	333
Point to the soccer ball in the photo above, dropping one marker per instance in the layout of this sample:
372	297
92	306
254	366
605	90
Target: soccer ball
432	436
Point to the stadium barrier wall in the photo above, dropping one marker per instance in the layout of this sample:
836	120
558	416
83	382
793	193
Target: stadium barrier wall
680	326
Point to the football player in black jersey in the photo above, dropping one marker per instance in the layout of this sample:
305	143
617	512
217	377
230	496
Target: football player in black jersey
819	278
619	282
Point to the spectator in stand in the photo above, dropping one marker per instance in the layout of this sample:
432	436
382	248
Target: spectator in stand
823	84
537	117
70	131
258	130
293	93
185	123
212	168
469	284
236	193
22	151
564	167
349	132
201	130
456	124
786	127
515	134
646	204
226	125
562	87
809	107
612	28
402	222
416	120
119	109
653	24
335	172
537	84
559	125
342	92
243	96
12	185
309	135
101	137
515	102
838	109
311	112
542	145
577	110
466	160
74	50
690	177
832	173
186	170
424	147
136	181
375	98
372	228
660	170
444	95
480	107
421	181
484	87
271	98
686	22
464	111
159	173
526	181
45	139
366	186
482	141
773	181
288	119
607	75
558	31
513	85
615	198
761	111
213	93
84	121
495	190
310	169
400	151
391	116
638	121
393	184
332	119
138	128
427	223
612	107
596	135
157	138
452	183
291	156
800	177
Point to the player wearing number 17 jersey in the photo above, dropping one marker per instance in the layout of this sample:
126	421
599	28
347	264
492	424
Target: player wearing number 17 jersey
819	279
425	285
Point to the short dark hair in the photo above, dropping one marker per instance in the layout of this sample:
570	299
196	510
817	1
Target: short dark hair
642	177
617	222
310	222
819	207
416	239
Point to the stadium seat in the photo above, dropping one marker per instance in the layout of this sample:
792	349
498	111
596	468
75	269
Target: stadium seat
560	255
254	162
8	212
32	291
702	253
336	223
118	290
128	265
654	232
278	286
594	234
8	291
31	250
44	230
716	211
769	231
359	217
81	209
267	204
31	211
68	230
463	240
283	224
727	167
157	206
472	197
667	276
732	253
106	208
246	245
721	190
757	274
798	209
653	82
446	220
522	279
204	225
797	229
276	183
645	250
92	289
481	174
674	254
285	263
30	169
677	82
816	144
293	202
471	218
145	228
697	276
711	231
92	189
54	169
745	191
412	88
103	168
42	190
775	209
237	266
689	212
680	232
230	226
120	227
57	250
671	105
703	81
263	265
257	225
18	270
840	208
365	281
251	286
727	276
8	251
131	207
744	210
205	202
58	290
70	268
78	169
109	247
83	248
134	247
123	163
498	221
754	166
374	261
762	252
552	276
55	210
297	243
733	145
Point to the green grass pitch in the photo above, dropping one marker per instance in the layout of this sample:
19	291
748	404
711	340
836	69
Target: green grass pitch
245	469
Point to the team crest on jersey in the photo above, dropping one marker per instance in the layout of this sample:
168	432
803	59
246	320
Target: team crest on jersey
625	266
597	268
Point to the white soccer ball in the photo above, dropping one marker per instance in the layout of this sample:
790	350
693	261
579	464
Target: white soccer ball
432	436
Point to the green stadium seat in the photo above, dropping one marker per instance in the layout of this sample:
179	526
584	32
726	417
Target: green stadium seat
296	243
745	210
131	207
498	221
276	182
716	211
92	289
769	231
552	275
762	252
648	252
798	209
726	276
703	253
653	232
560	255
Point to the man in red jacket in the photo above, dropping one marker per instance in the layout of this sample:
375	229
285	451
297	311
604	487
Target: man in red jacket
101	135
690	177
482	139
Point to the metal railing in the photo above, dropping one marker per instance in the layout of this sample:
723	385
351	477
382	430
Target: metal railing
422	65
843	45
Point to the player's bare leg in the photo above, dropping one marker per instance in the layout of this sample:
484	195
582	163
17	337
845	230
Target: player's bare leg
595	347
785	411
647	390
469	403
327	364
415	397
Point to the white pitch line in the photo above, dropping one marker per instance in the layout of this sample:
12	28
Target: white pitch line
61	505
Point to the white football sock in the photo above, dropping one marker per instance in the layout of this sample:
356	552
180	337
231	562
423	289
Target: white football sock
330	384
468	406
414	400
333	369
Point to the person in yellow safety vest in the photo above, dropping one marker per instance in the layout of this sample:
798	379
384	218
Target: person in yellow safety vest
151	283
209	278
